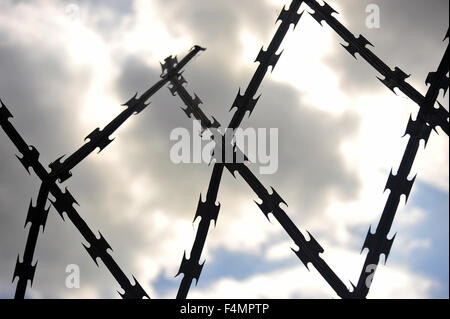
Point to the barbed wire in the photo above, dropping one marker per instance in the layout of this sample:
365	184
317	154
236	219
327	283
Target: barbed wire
428	119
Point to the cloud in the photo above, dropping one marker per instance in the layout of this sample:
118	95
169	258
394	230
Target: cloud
296	282
396	42
61	78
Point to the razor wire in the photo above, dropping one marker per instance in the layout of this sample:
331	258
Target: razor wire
64	201
428	119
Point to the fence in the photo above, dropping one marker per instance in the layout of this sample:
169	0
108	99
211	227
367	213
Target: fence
428	118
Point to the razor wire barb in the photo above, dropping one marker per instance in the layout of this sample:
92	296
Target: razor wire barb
428	118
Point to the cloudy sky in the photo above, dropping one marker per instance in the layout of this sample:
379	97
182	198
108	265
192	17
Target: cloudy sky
67	66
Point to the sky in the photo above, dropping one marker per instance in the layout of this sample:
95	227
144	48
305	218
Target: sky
67	66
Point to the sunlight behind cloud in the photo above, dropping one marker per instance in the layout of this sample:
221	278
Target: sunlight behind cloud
333	180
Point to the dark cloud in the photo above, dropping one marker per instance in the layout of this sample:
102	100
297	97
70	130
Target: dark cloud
45	96
31	86
310	163
35	79
218	24
406	28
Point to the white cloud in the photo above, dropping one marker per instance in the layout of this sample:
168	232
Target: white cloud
158	234
393	281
